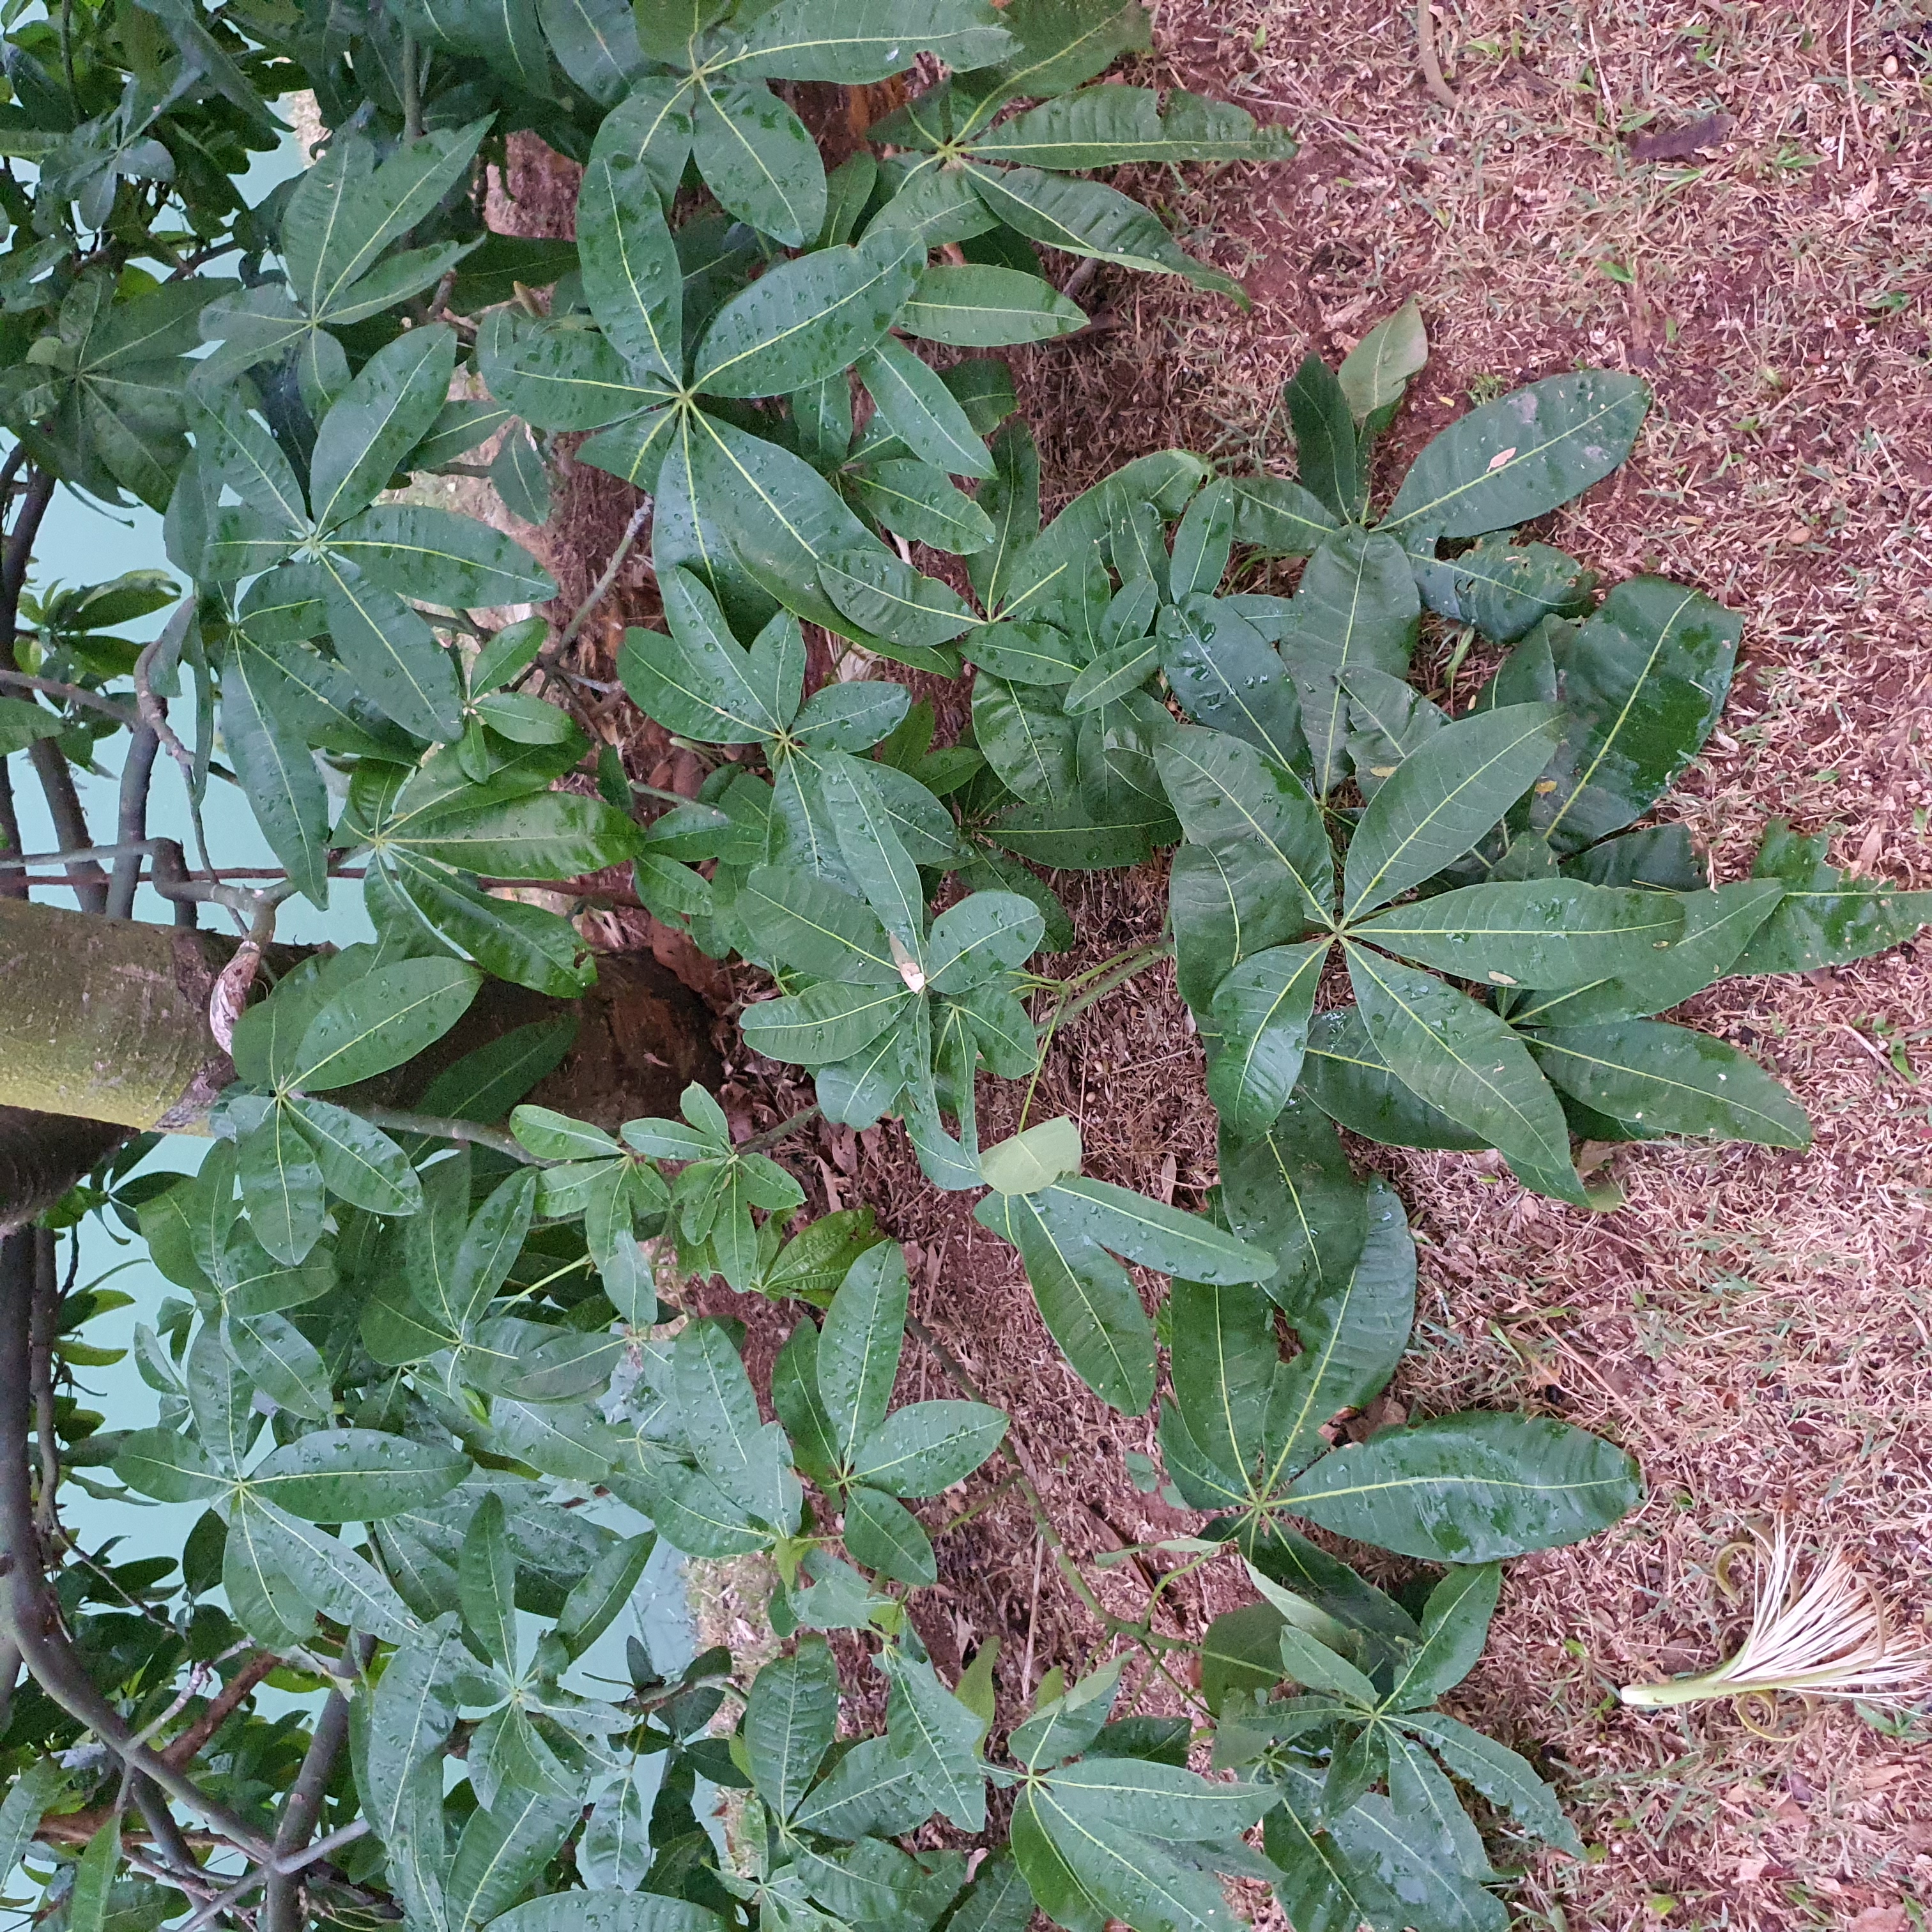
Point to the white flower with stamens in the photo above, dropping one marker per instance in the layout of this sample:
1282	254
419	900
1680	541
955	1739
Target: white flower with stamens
1829	1638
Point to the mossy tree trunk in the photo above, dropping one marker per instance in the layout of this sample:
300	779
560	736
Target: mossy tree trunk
104	1032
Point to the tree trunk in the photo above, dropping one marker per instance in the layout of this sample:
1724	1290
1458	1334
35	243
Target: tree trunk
104	1032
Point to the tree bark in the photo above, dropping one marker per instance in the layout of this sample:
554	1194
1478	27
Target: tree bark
104	1031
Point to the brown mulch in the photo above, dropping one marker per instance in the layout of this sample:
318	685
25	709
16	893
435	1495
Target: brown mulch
1753	1326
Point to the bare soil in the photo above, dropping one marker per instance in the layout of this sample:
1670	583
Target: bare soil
1753	1326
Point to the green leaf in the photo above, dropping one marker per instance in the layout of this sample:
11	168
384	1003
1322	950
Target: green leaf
1261	1013
1670	1079
1033	1158
1314	1665
874	853
522	943
1505	589
23	722
1500	1775
1132	1877
920	503
487	1583
758	159
1355	608
1644	679
1202	541
1346	1076
1278	517
1086	217
1545	932
1374	373
858	1349
925	1448
1226	676
936	1737
1470	1488
699	681
915	404
1100	127
813	925
545	834
1388	718
979	936
1049	1879
1442	799
631	278
382	415
1027	739
1064	42
379	1020
1321	1887
159	1463
1427	1814
1463	1060
1291	1192
1151	1233
888	598
978	307
780	517
278	774
1352	1336
1258	869
885	1536
502	1853
1455	1627
824	1024
394	656
803	321
89	1903
857	42
866	1792
1160	1800
281	1187
595	43
438	557
329	1575
1010	498
791	1719
355	1475
27	1800
1519	458
997	1900
747	1460
1717	926
280	1361
1089	1306
1325	436
1826	917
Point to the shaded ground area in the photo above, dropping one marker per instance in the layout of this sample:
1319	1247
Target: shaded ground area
1753	1326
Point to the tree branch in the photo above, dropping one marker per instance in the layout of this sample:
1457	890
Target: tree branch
40	1373
70	693
137	773
281	1901
182	1751
28	1615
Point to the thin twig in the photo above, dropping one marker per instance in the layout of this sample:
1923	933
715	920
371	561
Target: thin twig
1431	67
70	693
40	1377
601	588
399	1120
771	1136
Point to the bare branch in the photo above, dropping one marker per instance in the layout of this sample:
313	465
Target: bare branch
137	773
29	1614
77	694
281	1901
